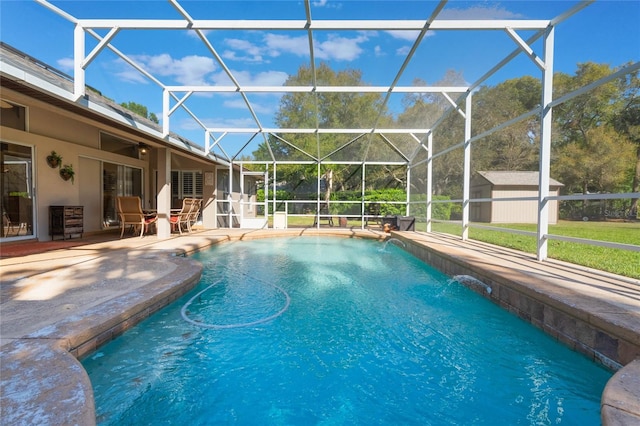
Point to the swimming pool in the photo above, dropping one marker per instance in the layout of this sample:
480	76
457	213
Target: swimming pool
316	330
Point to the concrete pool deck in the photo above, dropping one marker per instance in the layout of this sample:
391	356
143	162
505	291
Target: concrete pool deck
58	306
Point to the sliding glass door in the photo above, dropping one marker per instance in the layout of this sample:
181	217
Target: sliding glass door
16	181
118	180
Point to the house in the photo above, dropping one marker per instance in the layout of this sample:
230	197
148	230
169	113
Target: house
521	190
111	150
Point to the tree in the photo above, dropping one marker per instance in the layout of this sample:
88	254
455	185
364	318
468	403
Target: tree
323	110
448	168
599	164
422	110
627	122
141	110
594	146
588	110
514	147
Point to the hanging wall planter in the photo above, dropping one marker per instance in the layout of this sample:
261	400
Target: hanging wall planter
67	172
54	160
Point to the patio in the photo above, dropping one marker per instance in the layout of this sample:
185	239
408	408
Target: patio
61	305
61	300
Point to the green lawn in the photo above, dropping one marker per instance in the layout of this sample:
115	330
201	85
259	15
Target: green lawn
618	261
622	262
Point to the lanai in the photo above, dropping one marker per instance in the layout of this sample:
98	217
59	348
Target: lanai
363	146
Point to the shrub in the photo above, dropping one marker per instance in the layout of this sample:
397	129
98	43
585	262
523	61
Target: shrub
441	211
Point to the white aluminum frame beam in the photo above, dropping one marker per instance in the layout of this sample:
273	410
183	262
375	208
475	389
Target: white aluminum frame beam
274	130
315	25
319	89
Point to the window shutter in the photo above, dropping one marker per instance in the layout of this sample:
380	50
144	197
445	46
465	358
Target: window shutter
175	185
199	185
187	184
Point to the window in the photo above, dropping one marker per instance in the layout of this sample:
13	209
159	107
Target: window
12	115
185	184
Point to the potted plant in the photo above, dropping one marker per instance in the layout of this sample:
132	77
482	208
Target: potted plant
54	160
67	172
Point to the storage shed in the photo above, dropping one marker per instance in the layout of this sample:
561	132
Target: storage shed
510	184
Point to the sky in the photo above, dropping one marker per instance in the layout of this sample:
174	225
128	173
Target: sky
606	31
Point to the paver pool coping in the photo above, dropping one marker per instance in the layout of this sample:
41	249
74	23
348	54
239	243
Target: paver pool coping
44	383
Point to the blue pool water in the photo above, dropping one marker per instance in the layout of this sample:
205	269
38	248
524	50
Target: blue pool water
308	331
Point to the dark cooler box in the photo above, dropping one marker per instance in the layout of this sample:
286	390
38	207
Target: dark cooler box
406	223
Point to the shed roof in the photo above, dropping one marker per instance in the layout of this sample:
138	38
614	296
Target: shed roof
516	178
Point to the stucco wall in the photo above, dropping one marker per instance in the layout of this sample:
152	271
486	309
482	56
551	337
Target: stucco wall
91	199
77	141
59	125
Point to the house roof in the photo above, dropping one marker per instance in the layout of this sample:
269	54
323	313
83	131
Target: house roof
516	178
29	76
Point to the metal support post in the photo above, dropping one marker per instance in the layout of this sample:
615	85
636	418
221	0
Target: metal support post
163	201
429	180
545	145
408	186
467	169
363	210
230	197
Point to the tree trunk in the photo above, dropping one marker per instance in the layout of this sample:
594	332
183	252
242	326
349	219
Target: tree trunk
329	180
635	187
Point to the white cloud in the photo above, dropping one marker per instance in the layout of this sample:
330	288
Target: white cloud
245	78
276	44
221	79
378	51
189	125
269	78
185	124
65	64
131	75
230	55
230	122
403	51
258	108
408	35
194	34
325	3
188	70
235	104
479	12
340	48
251	52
